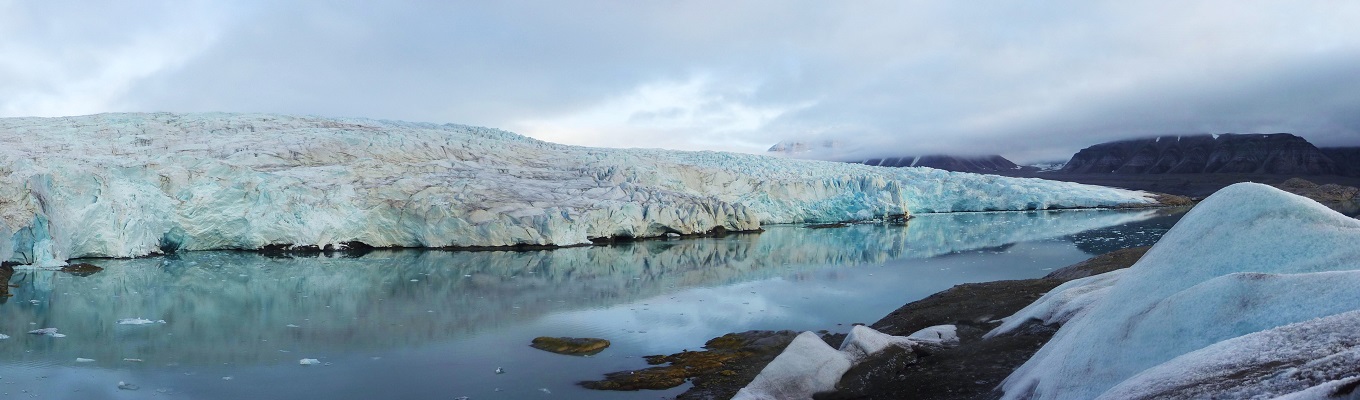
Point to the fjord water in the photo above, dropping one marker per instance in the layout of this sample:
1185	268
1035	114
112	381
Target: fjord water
436	324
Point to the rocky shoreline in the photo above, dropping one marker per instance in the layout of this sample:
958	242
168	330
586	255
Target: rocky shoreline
971	370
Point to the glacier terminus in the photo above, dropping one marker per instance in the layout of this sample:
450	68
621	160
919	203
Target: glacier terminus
129	185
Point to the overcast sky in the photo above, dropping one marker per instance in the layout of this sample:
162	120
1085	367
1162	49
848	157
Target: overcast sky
1029	80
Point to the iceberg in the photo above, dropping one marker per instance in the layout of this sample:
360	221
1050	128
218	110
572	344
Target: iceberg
1251	295
126	185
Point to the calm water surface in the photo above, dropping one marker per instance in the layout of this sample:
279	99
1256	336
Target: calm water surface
434	324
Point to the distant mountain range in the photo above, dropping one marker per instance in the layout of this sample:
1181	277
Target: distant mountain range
1276	154
1279	153
827	150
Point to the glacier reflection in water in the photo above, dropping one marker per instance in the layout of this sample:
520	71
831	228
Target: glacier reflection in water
248	311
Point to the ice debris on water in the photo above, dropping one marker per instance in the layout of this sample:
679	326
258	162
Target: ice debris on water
3	336
292	326
127	386
132	359
309	361
47	332
84	360
139	321
34	302
500	370
545	390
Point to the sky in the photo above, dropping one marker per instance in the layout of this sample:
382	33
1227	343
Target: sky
1033	81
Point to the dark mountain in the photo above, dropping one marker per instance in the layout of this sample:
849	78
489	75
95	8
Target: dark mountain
1348	158
1279	153
977	164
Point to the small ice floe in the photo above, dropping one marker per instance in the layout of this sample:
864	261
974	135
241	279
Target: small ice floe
127	386
292	326
545	390
309	361
3	336
84	360
227	378
34	302
139	321
500	370
47	332
461	398
132	359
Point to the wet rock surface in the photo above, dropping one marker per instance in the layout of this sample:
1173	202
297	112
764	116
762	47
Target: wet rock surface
5	273
569	345
1325	193
972	370
727	364
1100	264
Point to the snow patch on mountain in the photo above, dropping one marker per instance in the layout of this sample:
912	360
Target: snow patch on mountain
125	185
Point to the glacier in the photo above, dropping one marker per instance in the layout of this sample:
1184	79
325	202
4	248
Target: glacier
1251	295
127	185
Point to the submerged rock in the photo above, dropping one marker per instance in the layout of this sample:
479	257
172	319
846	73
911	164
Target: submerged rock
570	346
81	269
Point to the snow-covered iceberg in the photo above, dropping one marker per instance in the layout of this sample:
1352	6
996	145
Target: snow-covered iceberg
1253	294
120	185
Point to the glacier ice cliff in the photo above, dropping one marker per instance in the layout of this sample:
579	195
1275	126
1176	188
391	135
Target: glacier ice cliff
125	185
1251	295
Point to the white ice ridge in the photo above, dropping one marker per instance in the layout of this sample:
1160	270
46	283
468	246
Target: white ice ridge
1251	295
809	366
120	185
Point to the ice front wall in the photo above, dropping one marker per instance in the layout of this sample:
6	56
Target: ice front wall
125	185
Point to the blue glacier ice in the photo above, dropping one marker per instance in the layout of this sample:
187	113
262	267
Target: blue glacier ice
125	185
1253	294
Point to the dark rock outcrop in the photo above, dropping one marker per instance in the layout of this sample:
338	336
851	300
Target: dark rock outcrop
1279	153
727	364
1328	193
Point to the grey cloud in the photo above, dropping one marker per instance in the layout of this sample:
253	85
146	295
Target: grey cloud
1030	81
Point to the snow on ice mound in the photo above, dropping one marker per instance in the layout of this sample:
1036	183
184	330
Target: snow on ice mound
120	185
809	366
1208	309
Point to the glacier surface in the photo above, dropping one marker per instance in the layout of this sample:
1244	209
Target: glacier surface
124	185
1251	295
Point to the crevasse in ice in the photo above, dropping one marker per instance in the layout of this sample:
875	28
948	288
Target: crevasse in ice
121	185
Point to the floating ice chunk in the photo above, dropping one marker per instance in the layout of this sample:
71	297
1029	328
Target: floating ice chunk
84	360
947	335
3	336
309	361
34	302
127	386
47	332
292	326
500	370
545	390
139	321
132	359
227	378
